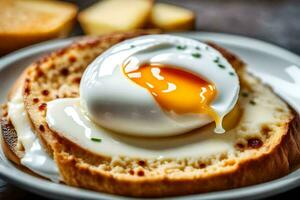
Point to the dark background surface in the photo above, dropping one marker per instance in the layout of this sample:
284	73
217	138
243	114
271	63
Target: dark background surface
274	21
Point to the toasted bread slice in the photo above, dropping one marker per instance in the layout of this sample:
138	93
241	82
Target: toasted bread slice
257	144
171	18
115	15
26	22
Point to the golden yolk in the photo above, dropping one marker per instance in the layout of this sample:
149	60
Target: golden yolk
176	90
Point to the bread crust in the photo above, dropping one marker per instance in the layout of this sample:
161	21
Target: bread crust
274	163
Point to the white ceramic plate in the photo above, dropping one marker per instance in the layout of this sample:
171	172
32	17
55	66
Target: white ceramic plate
261	57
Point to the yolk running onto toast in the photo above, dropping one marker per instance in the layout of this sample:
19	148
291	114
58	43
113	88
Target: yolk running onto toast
176	90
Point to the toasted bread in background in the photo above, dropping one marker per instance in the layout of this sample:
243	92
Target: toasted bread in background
115	15
171	18
27	22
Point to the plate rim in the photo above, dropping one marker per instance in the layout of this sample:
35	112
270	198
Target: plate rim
260	190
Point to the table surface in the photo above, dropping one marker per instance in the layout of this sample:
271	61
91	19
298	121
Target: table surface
274	21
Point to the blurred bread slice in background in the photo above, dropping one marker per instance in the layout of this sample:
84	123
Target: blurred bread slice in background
171	18
25	22
122	15
115	15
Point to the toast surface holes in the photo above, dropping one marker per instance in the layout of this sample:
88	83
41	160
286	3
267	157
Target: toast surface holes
141	173
131	172
266	130
240	145
39	74
45	92
141	163
254	143
35	100
42	106
42	128
64	71
202	165
72	58
27	91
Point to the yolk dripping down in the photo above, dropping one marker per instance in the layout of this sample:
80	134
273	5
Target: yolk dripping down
177	90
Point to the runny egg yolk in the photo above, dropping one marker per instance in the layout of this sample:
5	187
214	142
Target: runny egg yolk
176	90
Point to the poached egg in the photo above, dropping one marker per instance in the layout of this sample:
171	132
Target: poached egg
159	85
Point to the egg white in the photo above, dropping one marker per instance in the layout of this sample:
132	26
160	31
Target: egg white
66	118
